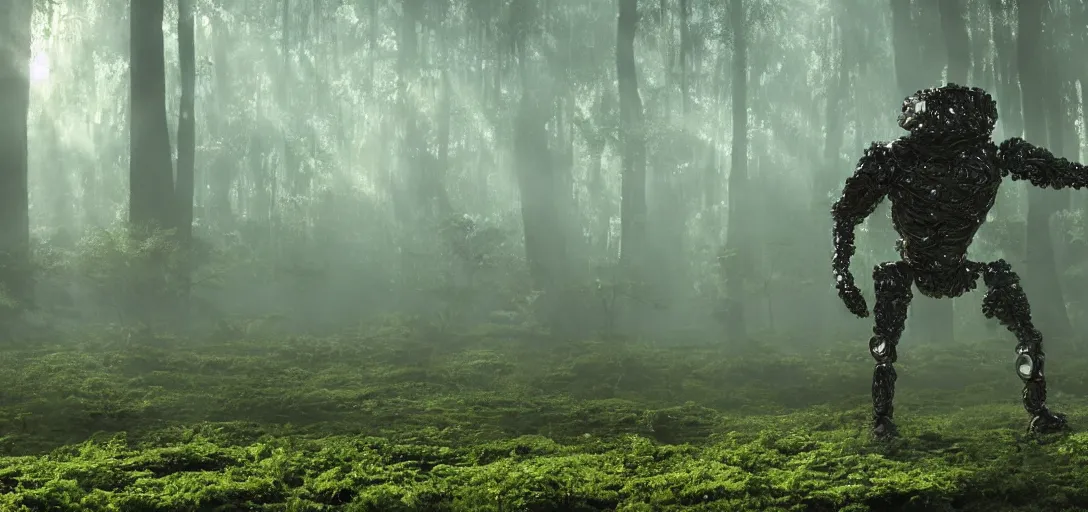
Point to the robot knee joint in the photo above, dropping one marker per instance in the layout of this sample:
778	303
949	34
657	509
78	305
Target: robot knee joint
882	350
1029	364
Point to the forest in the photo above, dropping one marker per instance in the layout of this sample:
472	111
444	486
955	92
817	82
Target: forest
512	255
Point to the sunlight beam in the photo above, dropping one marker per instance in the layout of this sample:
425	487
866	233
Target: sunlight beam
39	69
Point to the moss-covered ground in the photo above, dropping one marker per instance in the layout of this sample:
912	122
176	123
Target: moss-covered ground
505	420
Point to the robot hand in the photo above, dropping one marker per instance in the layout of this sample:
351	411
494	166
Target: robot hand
851	296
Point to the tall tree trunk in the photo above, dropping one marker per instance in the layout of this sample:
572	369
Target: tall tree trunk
411	148
372	39
837	96
184	186
1041	280
956	41
929	36
736	264
219	209
151	174
443	206
981	51
831	173
293	174
186	122
685	59
15	280
1010	123
1010	111
152	203
903	48
544	244
598	199
633	188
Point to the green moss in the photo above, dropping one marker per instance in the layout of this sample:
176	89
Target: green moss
504	421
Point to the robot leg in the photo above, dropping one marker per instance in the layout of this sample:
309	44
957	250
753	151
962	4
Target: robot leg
892	281
1005	300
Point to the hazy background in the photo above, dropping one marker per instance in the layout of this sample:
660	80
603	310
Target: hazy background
455	162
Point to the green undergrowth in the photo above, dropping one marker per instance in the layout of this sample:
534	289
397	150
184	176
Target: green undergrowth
506	420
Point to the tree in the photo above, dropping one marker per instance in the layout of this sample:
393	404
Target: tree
151	181
956	40
15	16
218	210
633	188
546	245
903	47
1006	69
736	244
1041	279
184	186
186	122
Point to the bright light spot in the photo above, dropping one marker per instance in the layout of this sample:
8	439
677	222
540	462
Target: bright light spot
39	68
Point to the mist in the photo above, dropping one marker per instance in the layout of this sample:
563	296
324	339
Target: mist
636	193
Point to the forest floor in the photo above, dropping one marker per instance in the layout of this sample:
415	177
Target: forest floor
506	420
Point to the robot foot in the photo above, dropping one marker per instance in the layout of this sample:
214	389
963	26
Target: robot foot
1048	423
884	428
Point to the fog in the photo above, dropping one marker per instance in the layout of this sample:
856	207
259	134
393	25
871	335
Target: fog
493	234
461	162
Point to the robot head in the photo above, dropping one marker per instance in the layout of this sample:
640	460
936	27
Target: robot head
952	109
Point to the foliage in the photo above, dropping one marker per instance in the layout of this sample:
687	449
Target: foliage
498	419
472	244
481	269
131	275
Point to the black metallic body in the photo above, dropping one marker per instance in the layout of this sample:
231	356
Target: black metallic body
942	180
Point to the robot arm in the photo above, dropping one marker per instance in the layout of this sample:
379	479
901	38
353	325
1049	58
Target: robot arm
860	197
1025	161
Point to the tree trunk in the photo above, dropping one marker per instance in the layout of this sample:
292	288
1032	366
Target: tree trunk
932	57
981	51
685	59
956	41
15	280
903	48
151	180
441	198
1041	280
1010	119
186	122
293	174
411	162
598	199
736	264
219	210
1010	111
829	176
184	186
633	187
837	96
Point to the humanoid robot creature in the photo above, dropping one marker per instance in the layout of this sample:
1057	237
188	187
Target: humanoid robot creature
942	179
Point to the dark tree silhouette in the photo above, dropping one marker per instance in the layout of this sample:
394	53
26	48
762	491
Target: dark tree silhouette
218	209
186	121
633	188
15	16
151	180
736	265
